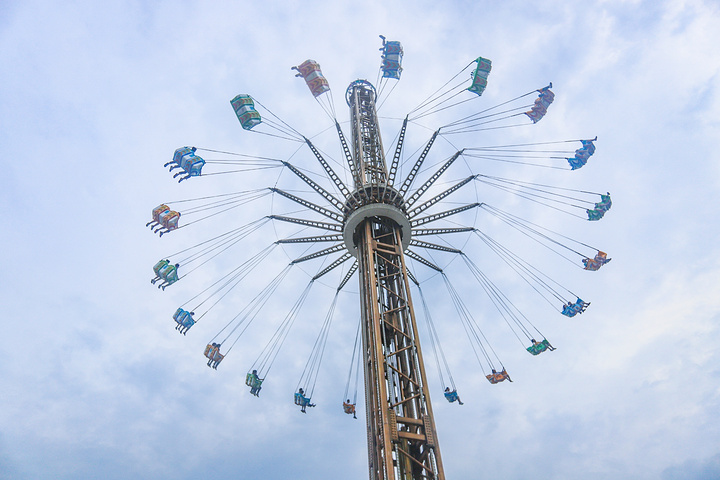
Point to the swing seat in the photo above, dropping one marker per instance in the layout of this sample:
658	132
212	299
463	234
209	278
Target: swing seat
591	264
390	65
253	381
349	408
170	221
182	152
164	270
180	316
249	120
539	108
479	84
159	266
391	47
187	320
582	153
605	203
244	107
538	347
595	214
498	377
392	74
212	352
546	98
192	164
310	71
594	264
306	68
157	211
534	116
480	76
576	162
451	396
170	275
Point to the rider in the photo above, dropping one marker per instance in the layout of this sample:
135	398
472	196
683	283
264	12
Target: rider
255	383
452	396
349	408
302	400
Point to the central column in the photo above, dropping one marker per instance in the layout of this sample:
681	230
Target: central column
402	441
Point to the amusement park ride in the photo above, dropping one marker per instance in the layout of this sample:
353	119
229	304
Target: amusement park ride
375	225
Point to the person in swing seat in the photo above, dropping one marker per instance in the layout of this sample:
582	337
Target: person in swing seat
349	408
303	401
452	396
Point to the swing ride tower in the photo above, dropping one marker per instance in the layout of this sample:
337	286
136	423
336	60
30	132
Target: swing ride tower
379	220
402	441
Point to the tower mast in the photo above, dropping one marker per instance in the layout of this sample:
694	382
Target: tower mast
402	440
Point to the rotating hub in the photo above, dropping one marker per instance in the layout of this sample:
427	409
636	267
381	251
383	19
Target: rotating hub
375	201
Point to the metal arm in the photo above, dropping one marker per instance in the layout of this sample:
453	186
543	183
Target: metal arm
331	173
398	151
348	156
319	238
433	246
321	253
308	223
420	191
440	231
349	274
329	197
322	211
414	212
411	176
438	216
420	259
333	265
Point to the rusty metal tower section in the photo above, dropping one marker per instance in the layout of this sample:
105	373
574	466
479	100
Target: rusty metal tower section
402	440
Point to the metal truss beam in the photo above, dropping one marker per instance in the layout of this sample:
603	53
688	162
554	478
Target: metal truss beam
318	238
348	156
308	223
325	194
415	211
421	191
317	208
422	260
331	173
398	151
411	176
321	253
438	216
419	243
440	231
344	258
411	276
349	274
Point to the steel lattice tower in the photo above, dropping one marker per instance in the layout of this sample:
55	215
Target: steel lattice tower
402	441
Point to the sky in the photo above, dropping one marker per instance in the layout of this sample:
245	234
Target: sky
96	383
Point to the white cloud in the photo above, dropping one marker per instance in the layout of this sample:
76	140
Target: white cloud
96	384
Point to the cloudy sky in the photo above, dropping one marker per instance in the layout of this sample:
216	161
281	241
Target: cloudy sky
96	383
